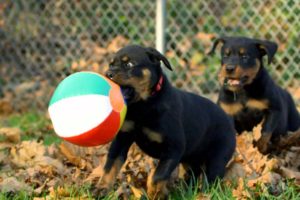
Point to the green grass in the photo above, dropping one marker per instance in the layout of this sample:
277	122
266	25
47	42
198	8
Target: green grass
219	191
72	191
34	125
13	196
286	189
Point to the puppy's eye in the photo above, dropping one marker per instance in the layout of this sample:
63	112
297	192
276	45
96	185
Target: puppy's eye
111	65
129	65
245	57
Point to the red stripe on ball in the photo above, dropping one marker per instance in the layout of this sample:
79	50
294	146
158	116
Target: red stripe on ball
99	135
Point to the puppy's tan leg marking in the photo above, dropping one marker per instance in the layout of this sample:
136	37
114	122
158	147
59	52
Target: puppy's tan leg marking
152	135
231	109
108	178
127	126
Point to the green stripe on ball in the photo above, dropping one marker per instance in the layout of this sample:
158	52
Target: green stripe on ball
80	83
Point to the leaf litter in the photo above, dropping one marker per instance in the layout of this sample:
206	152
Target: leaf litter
38	169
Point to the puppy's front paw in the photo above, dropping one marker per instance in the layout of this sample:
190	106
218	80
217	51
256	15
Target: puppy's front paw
100	192
157	190
103	186
263	143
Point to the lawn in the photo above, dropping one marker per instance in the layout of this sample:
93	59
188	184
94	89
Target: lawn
36	164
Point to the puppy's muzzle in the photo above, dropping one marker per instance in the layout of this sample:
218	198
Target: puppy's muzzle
230	68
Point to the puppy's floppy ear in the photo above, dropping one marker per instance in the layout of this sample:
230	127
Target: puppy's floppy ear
216	42
154	54
267	48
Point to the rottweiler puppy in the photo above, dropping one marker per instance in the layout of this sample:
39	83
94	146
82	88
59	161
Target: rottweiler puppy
166	123
249	94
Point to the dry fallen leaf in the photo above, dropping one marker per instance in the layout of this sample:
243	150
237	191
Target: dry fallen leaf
290	173
270	177
240	192
59	192
31	153
6	106
12	135
137	192
25	153
70	155
96	173
11	184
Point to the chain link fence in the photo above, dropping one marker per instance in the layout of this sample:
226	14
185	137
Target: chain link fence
42	41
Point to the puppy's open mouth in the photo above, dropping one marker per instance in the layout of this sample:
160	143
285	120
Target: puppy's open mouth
232	82
235	82
128	92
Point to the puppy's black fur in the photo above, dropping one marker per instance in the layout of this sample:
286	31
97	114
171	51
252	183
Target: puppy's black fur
248	93
166	123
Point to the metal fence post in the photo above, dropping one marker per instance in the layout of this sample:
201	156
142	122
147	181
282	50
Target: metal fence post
160	25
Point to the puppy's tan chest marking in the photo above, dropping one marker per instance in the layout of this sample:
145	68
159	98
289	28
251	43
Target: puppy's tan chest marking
231	108
152	135
127	126
258	104
236	107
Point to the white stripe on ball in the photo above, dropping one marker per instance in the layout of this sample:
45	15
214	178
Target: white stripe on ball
75	115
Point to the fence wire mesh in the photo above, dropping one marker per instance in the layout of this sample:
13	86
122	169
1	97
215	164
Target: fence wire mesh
42	41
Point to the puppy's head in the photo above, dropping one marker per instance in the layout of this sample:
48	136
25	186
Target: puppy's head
137	70
241	60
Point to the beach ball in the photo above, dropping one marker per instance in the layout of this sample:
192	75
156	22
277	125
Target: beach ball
87	109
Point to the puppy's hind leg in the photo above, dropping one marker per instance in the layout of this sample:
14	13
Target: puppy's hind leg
193	172
217	160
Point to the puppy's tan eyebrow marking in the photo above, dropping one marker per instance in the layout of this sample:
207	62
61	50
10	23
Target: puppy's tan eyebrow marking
111	61
125	58
227	51
242	50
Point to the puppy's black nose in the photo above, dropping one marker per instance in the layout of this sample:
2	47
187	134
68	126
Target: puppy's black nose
230	68
109	74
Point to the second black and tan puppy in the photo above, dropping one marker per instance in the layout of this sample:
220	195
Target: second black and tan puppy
249	94
166	123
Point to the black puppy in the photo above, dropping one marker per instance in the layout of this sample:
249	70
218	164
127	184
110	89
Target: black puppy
248	93
166	123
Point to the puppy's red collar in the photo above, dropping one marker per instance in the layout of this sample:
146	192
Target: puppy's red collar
157	88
